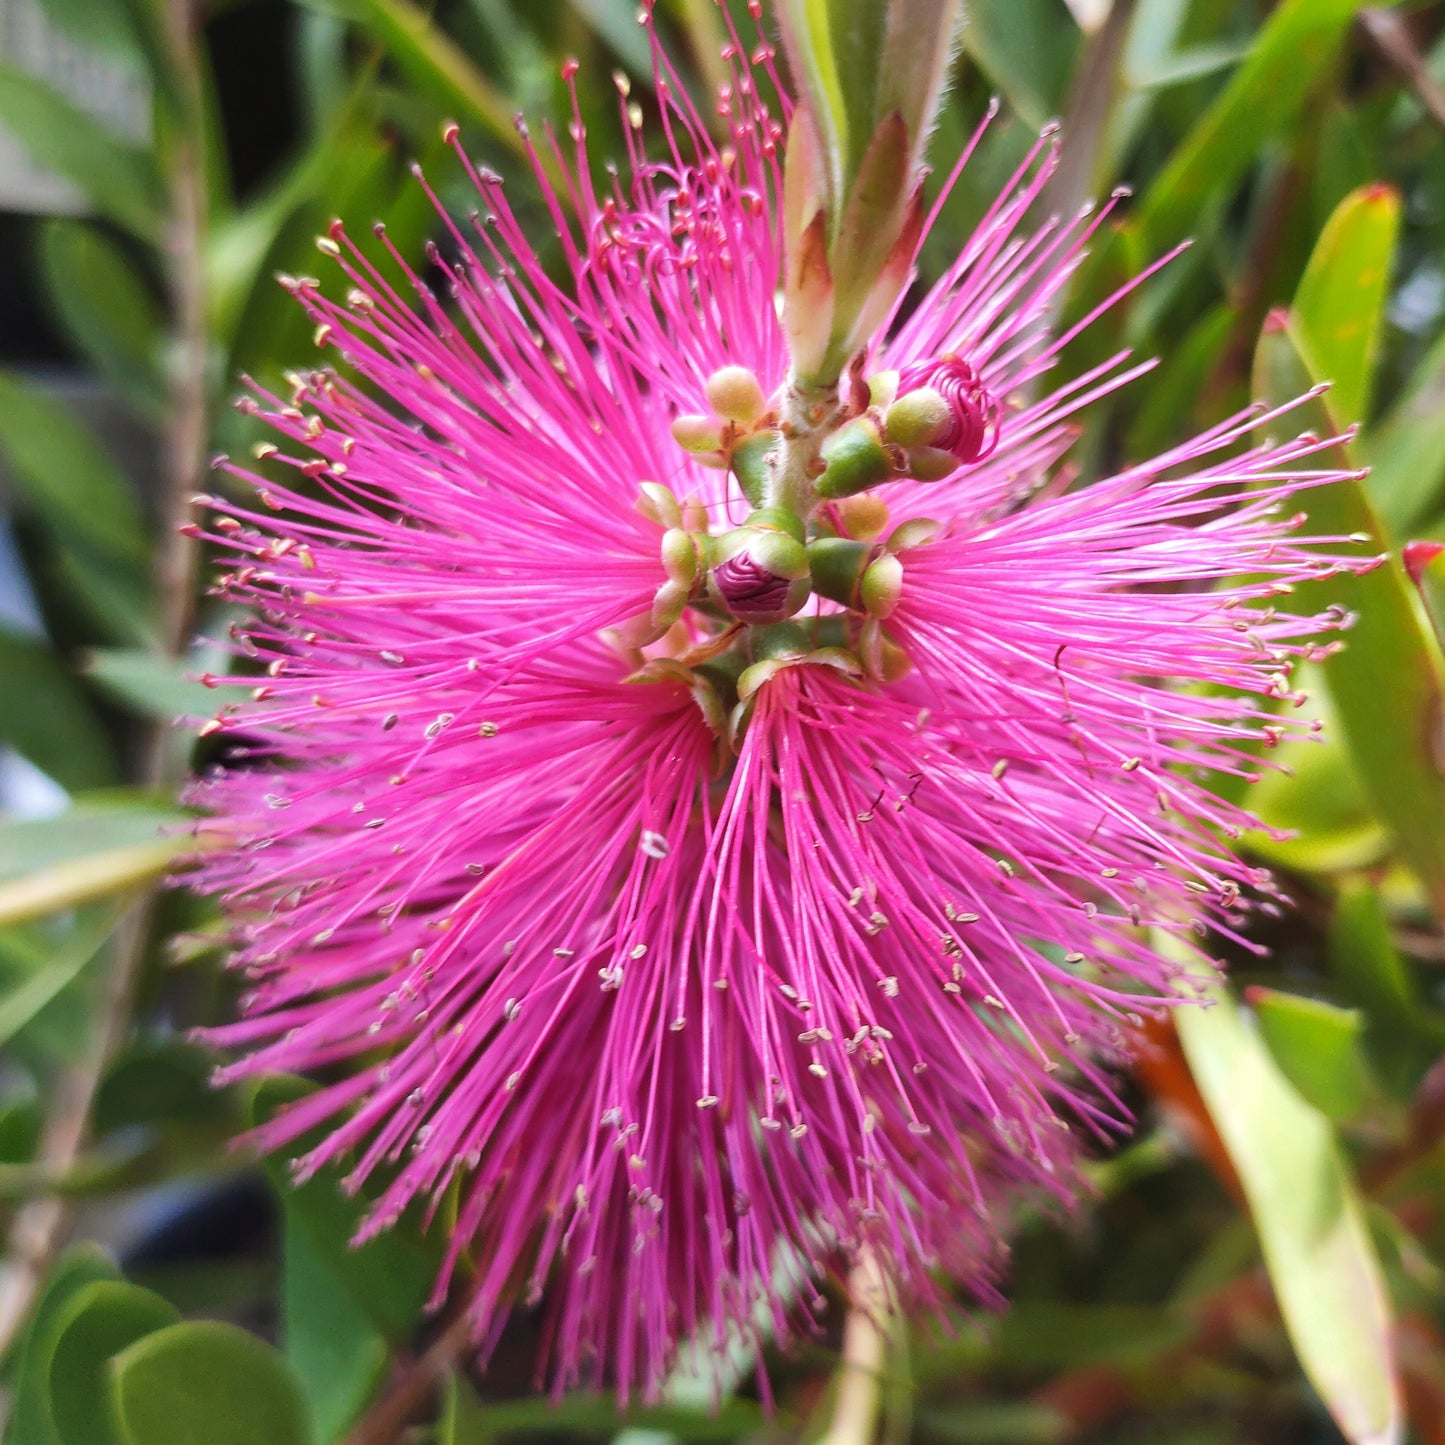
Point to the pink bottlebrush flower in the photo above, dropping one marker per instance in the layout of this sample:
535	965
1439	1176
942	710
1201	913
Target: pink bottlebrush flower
711	952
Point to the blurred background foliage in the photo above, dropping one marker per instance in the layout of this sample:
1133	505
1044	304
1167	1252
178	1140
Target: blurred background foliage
1264	1261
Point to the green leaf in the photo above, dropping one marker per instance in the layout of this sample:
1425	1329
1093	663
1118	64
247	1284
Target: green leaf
388	1278
97	847
96	824
119	179
1340	302
1387	728
65	475
1312	794
50	973
438	67
807	27
149	683
1406	450
99	1322
81	880
109	312
1025	48
1371	973
464	1417
1311	1222
1317	1047
104	25
1053	1335
46	716
616	22
206	1383
31	1422
336	1350
586	1413
1265	96
159	1082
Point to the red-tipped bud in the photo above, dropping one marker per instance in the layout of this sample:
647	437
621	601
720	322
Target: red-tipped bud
1417	556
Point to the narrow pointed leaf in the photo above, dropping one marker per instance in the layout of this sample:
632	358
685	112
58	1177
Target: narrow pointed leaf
870	218
100	823
1406	449
46	716
1291	53
1317	1046
1340	304
1310	1220
437	65
63	473
51	976
94	848
918	49
150	683
119	180
807	27
1390	729
109	311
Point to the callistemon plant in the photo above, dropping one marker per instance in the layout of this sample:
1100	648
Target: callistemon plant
718	782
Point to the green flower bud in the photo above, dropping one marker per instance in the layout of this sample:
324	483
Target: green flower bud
882	587
856	460
735	394
882	388
679	556
883	659
930	464
922	418
697	434
913	533
838	565
779	554
749	459
777	519
658	504
864	516
668	603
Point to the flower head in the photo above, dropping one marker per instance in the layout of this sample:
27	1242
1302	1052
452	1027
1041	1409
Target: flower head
718	870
